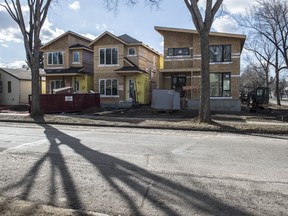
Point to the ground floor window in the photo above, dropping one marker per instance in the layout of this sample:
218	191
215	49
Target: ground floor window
220	84
177	83
108	87
55	84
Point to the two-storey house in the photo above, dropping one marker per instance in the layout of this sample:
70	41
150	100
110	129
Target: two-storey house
182	67
68	62
125	70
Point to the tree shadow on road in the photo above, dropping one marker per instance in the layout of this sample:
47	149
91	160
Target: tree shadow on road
158	191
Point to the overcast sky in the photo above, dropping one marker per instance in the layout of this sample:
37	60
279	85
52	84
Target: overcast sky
90	18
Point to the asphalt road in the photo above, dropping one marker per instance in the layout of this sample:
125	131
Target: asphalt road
120	171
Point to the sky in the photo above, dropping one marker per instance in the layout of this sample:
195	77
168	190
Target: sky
91	18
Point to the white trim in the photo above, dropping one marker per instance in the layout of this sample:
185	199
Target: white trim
178	59
219	98
109	96
63	56
135	54
221	63
105	48
117	65
74	62
235	75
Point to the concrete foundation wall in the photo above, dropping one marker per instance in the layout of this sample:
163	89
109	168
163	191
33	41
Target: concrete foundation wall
233	105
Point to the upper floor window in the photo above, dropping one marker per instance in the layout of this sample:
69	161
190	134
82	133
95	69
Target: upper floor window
76	57
132	51
178	52
108	56
9	87
220	84
55	58
220	53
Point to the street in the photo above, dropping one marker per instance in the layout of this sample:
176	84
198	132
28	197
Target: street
119	171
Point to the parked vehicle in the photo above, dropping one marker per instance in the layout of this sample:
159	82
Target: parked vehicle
258	98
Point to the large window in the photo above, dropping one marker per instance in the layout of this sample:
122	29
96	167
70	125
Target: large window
220	85
108	87
220	53
178	52
109	56
55	58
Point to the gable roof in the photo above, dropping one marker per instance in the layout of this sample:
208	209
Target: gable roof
65	34
124	39
128	39
20	74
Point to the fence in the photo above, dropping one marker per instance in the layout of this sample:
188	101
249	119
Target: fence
55	103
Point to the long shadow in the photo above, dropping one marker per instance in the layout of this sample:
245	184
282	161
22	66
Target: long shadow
116	170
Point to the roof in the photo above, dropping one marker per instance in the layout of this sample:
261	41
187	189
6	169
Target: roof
191	31
63	35
241	37
21	74
131	67
124	39
80	46
128	39
71	70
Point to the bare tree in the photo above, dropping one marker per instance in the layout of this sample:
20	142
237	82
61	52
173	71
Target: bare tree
30	30
203	25
269	20
263	54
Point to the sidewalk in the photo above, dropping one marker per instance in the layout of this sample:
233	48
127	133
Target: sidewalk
235	123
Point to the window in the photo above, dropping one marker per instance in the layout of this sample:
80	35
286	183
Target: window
177	83
109	56
55	84
220	85
178	52
55	58
108	87
221	53
1	84
77	86
131	52
9	87
76	57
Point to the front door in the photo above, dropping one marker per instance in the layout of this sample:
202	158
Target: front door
130	89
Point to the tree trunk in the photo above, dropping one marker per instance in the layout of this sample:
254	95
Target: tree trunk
277	77
204	109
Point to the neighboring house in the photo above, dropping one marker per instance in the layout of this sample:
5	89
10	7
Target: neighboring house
182	67
68	62
125	70
15	86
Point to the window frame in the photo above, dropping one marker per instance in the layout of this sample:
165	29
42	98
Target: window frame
178	52
223	92
103	87
213	59
108	53
58	62
73	54
9	86
134	49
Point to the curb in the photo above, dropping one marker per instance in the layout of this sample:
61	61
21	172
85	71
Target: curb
219	130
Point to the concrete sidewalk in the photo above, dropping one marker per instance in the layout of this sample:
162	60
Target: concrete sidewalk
235	123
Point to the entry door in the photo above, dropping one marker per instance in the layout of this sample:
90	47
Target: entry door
130	89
